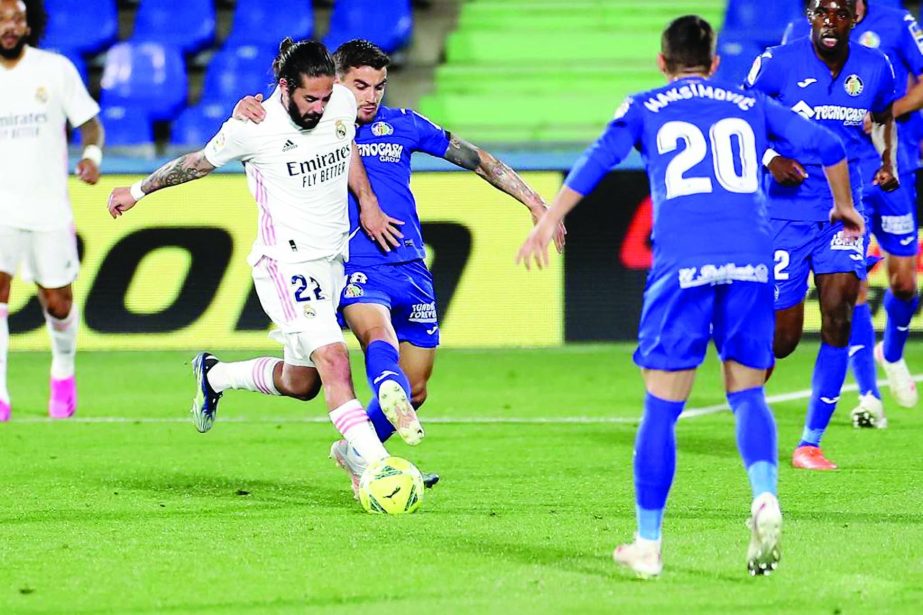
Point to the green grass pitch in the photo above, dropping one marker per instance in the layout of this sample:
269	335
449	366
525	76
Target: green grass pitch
143	514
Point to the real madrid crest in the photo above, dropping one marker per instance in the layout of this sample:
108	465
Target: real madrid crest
340	129
41	94
853	85
382	129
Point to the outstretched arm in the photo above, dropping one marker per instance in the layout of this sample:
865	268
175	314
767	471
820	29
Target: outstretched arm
502	177
178	171
380	227
92	136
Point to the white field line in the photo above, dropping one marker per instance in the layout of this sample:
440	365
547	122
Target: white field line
689	413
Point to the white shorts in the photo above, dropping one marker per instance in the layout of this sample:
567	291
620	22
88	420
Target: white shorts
48	258
301	299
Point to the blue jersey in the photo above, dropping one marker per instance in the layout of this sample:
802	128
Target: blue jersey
386	145
894	32
797	78
702	141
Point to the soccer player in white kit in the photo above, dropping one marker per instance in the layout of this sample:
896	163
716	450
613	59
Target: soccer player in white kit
299	162
41	93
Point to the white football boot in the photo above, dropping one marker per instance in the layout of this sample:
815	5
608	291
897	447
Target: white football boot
765	525
399	411
642	556
349	460
903	388
869	413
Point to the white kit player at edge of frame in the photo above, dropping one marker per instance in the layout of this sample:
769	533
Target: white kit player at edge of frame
701	140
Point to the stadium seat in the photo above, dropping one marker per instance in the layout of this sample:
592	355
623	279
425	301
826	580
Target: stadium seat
236	71
759	21
88	29
387	23
188	25
126	126
198	124
145	75
267	22
737	57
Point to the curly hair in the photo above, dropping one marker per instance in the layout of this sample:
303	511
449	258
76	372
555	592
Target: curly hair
37	19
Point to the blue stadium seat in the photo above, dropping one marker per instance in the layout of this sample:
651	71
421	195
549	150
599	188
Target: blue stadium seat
88	29
126	126
737	57
267	22
387	23
236	71
188	25
146	75
197	125
760	21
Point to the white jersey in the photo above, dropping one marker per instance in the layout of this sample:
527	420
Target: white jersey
38	97
298	177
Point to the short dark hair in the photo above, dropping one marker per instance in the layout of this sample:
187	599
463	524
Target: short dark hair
308	58
36	19
688	43
359	52
852	4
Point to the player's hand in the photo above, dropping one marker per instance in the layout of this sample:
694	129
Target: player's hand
120	201
249	108
380	227
886	179
853	221
538	211
87	171
786	171
535	247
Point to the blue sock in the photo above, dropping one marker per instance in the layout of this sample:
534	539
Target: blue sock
829	375
756	439
655	462
899	314
861	351
381	365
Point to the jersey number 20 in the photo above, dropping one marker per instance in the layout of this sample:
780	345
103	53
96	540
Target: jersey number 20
725	160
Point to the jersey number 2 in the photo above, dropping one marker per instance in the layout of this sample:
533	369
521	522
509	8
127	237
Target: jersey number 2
725	160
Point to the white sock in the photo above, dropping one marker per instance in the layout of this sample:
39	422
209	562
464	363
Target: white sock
351	421
63	343
4	349
254	375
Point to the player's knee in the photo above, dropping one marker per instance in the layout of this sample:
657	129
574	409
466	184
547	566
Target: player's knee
58	306
418	395
836	326
332	361
299	387
784	344
904	287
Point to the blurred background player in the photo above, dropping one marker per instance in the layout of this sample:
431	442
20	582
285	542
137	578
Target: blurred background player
299	163
835	83
388	302
41	93
892	215
701	141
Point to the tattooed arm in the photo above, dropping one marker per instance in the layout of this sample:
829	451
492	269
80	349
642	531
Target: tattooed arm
502	177
178	171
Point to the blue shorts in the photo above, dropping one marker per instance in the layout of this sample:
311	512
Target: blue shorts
677	323
801	247
406	289
893	217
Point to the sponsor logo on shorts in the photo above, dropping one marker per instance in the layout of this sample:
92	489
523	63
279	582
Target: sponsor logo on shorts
898	225
309	312
907	241
358	278
352	291
423	312
711	275
433	330
840	242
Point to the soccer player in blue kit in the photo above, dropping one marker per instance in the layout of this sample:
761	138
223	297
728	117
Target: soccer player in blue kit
388	302
712	270
892	215
834	83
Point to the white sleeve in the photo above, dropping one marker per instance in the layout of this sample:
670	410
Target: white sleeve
79	106
229	144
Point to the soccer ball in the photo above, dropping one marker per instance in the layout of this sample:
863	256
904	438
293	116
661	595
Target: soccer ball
392	486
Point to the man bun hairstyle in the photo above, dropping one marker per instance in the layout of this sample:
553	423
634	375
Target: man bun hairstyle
359	52
688	44
302	59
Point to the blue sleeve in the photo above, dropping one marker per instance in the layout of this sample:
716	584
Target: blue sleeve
886	94
764	76
911	45
608	150
787	126
431	139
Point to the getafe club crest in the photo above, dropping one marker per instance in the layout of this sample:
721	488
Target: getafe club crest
382	129
341	129
352	291
870	39
853	85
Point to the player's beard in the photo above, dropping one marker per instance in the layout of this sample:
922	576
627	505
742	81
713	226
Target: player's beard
11	53
307	122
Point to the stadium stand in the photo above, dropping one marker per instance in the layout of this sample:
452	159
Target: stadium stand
147	76
188	25
387	23
86	31
266	22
